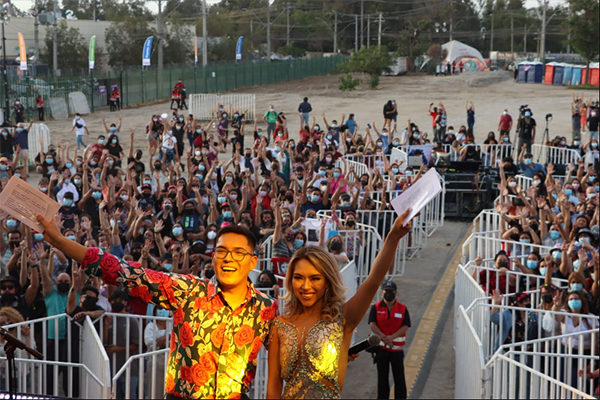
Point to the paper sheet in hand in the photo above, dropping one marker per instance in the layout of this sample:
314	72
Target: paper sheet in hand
24	202
418	195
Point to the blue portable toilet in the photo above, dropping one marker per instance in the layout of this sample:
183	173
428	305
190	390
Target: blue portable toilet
522	74
567	73
535	74
576	75
558	74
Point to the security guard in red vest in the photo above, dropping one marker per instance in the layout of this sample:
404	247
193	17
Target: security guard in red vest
390	320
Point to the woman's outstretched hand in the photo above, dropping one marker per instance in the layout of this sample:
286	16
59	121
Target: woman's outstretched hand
401	225
51	232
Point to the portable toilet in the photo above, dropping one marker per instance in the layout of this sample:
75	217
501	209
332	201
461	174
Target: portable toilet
535	73
567	72
559	70
549	73
583	75
576	75
594	74
523	69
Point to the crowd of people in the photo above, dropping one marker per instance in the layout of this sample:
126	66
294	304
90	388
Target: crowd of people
168	214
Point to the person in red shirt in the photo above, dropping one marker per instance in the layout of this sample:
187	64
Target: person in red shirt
433	112
39	103
505	124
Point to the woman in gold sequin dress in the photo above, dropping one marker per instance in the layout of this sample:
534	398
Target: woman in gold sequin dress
308	345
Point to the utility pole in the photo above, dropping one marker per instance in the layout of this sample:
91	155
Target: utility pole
451	19
379	34
36	34
368	30
525	39
362	21
204	35
54	44
512	35
268	30
159	30
356	33
335	32
492	37
543	35
287	38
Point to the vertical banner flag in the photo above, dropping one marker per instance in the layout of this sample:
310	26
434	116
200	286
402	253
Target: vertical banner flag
238	48
22	52
147	51
92	52
196	50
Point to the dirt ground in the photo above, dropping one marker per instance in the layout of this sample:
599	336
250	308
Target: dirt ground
490	92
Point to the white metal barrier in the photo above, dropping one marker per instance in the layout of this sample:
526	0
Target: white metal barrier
359	169
94	357
466	289
154	361
555	155
468	381
37	132
205	106
400	157
487	221
488	244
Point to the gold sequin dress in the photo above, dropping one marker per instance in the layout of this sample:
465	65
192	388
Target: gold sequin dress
309	359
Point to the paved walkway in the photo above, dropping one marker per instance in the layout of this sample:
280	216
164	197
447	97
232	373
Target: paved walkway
426	289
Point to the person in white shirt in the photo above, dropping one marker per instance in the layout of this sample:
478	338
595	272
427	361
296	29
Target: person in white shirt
80	129
169	147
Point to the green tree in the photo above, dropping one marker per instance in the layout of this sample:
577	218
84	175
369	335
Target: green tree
372	61
125	41
583	25
179	42
72	48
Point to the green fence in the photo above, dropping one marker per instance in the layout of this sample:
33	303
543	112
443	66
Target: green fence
139	87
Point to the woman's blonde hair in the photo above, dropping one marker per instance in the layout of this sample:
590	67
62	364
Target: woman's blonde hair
12	314
324	262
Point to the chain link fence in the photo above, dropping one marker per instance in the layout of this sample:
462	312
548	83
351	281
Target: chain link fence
139	87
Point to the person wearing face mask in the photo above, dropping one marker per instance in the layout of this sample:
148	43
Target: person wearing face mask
80	129
113	129
390	320
10	288
156	338
525	323
335	246
531	266
526	164
497	277
578	283
7	144
283	237
19	111
576	320
191	220
505	124
69	211
270	118
527	128
124	330
592	125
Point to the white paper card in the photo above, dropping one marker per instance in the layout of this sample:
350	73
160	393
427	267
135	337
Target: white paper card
418	195
24	202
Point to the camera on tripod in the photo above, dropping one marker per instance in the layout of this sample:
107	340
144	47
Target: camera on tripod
548	117
523	107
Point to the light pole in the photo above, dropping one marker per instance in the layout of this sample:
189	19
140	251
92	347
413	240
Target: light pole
333	31
267	25
4	19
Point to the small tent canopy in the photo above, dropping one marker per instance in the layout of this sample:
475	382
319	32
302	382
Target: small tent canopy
457	50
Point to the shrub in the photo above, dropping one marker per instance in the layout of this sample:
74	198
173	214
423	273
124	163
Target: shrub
348	83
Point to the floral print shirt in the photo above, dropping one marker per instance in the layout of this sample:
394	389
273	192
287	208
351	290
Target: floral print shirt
214	348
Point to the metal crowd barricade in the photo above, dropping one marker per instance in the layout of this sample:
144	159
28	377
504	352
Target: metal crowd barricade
204	107
591	157
469	377
466	289
152	359
524	181
487	221
359	168
491	154
555	155
486	245
38	131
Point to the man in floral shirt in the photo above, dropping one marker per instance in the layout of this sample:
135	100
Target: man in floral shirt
218	325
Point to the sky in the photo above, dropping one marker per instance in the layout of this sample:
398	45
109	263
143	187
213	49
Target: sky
152	5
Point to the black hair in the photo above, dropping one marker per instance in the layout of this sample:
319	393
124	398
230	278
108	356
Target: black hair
119	294
238	230
270	274
500	253
90	288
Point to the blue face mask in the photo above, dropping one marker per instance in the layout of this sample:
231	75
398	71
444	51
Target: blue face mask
77	181
315	198
322	172
69	165
575	304
395	170
557	255
568	192
525	241
11	223
345	204
416	135
543	271
554	235
329	137
576	265
49	160
532	264
591	179
101	142
67	180
38	237
3	167
590	196
277	149
201	167
505	139
97	195
228	179
298	243
168	266
408	173
200	176
221	199
110	162
18	175
528	161
226	214
527	114
162	313
147	182
258	133
67	202
71	237
4	133
554	196
336	174
177	231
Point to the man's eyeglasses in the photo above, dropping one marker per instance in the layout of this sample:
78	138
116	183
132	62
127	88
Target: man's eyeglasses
237	254
7	287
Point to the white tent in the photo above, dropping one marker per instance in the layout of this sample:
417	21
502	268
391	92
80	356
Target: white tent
457	50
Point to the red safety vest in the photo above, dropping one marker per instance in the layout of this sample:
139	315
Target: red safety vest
390	322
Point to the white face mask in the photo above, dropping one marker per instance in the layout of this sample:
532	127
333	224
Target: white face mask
198	152
211	235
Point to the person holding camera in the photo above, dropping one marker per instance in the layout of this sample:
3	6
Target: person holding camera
527	128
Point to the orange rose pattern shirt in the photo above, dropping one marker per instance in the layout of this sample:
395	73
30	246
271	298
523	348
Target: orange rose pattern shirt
214	348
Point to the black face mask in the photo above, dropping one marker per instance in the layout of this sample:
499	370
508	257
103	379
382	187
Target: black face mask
63	287
502	264
264	285
14	244
289	198
172	195
136	255
335	246
146	195
547	298
389	296
350	222
590	213
209	273
248	155
117	306
90	303
8	298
